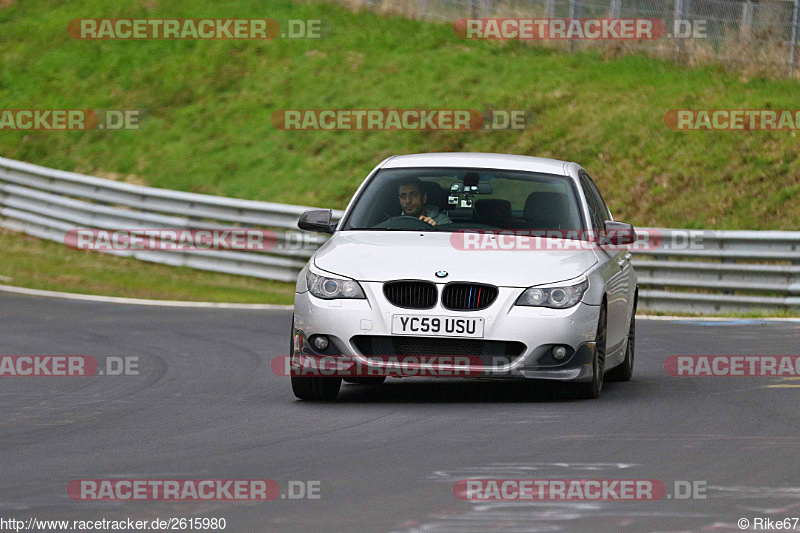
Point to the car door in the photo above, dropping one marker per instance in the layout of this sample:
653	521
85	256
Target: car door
616	267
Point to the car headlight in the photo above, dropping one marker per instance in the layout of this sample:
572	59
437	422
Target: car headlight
329	288
555	296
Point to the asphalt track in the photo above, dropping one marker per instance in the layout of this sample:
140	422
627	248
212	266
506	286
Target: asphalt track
206	405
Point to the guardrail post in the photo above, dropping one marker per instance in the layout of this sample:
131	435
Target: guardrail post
725	260
616	9
480	8
549	9
794	36
746	23
679	14
574	13
422	9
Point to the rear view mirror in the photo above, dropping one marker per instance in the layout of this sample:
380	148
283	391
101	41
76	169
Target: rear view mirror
471	179
618	233
318	220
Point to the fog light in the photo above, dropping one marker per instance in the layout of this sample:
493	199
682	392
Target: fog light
559	353
321	342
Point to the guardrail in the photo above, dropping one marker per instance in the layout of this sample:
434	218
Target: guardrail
720	271
691	271
48	203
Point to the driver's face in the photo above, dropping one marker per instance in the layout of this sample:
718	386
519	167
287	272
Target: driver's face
411	200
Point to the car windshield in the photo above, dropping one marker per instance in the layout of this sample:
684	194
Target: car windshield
453	199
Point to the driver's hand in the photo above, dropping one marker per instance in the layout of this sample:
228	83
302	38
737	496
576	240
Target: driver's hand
429	220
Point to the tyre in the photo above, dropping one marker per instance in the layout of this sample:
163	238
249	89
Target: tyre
591	389
313	388
317	389
366	380
624	371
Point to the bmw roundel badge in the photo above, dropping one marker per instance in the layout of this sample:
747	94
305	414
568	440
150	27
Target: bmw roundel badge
441	273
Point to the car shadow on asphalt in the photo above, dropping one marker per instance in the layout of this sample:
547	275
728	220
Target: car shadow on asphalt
459	391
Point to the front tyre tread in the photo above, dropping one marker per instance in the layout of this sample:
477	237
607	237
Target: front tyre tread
589	390
624	371
316	389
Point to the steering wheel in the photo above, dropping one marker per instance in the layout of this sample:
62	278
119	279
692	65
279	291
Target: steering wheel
404	222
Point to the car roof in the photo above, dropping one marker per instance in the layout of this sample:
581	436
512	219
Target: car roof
479	160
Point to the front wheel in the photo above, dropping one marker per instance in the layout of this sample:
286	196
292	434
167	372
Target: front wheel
591	389
624	371
313	388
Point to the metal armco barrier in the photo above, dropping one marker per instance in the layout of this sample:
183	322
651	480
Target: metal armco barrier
706	271
47	203
698	271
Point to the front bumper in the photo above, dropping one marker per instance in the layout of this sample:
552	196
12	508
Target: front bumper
517	341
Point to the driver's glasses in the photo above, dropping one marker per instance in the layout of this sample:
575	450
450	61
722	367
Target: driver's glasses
412	195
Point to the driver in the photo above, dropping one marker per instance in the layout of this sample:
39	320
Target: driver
412	201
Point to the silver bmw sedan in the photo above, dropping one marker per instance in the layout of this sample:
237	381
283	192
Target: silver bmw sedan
467	265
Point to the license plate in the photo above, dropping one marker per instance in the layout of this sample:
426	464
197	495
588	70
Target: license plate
444	326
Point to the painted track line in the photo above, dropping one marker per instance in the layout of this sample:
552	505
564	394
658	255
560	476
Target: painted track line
732	320
140	301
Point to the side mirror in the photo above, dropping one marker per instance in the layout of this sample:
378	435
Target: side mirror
318	220
618	233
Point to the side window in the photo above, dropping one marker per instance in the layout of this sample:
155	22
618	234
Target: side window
594	208
606	212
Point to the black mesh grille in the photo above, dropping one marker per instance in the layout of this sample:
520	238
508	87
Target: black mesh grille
490	352
411	294
468	296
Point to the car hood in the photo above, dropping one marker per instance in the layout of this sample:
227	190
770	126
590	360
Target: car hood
390	255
